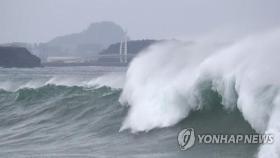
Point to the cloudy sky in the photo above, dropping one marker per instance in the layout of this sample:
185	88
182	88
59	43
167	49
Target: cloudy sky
41	20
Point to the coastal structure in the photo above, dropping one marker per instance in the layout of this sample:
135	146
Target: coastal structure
123	49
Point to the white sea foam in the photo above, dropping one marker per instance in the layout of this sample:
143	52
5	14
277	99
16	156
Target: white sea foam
113	80
163	84
109	79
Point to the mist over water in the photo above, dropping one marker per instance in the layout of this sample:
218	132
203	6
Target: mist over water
166	83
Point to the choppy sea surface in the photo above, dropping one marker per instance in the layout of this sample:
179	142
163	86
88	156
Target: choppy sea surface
75	112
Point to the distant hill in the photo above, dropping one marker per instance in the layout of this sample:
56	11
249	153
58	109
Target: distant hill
83	44
102	33
17	57
133	48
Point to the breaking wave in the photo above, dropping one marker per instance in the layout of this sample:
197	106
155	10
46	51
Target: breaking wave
167	82
76	112
72	121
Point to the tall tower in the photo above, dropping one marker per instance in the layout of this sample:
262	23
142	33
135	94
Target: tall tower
123	49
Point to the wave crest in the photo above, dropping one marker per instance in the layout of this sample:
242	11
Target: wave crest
165	83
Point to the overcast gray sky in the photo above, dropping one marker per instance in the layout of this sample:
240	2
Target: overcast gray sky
41	20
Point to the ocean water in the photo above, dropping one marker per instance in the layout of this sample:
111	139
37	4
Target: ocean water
139	111
75	112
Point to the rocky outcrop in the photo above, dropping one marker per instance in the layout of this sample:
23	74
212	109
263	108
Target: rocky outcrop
17	57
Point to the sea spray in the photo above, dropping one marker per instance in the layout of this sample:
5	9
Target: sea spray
81	118
164	84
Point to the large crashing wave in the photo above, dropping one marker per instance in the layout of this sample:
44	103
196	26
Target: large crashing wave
165	83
